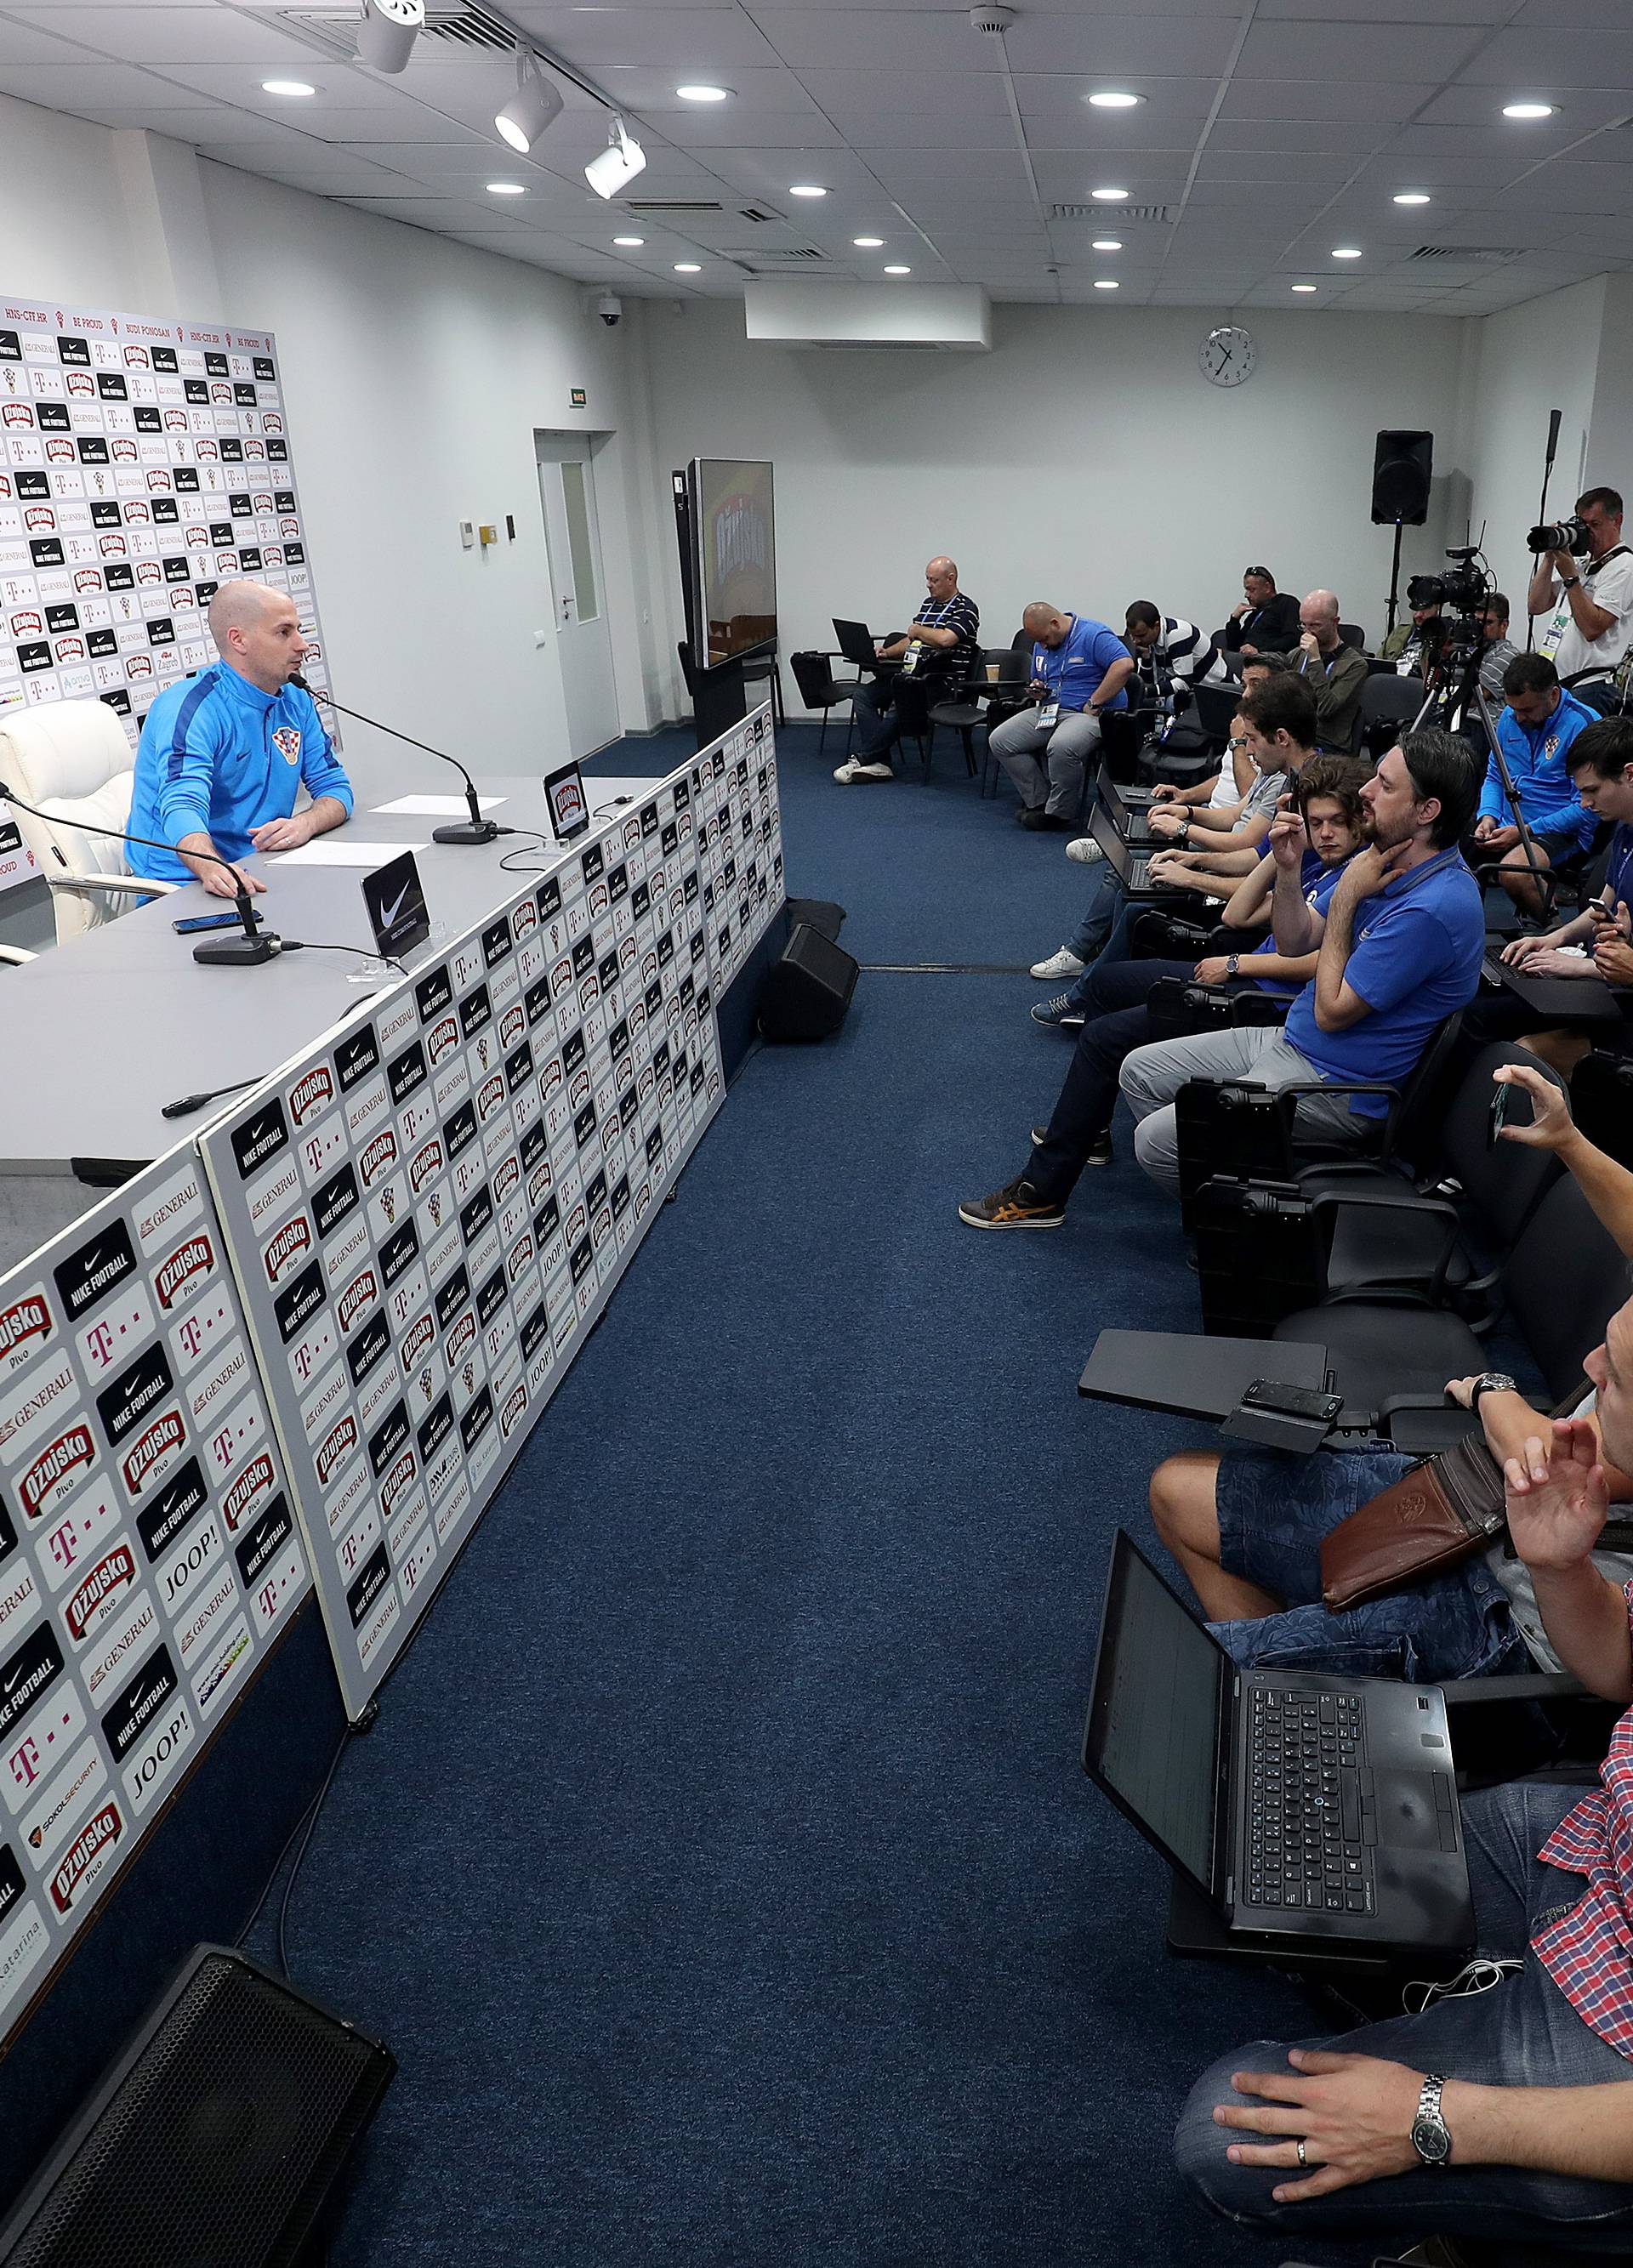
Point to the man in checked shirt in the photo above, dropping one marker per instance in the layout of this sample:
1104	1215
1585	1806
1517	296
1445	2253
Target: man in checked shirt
1499	2112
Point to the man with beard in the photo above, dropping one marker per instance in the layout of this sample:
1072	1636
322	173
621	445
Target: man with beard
1398	950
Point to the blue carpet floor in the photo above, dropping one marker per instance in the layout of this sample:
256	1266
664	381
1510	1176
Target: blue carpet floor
721	1868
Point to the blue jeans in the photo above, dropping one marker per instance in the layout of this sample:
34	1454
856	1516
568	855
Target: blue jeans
1273	1509
1521	2033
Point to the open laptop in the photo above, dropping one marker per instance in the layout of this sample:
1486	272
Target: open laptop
1583	999
1131	867
855	642
1301	1806
1130	809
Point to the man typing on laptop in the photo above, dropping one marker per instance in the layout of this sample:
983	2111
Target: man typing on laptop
1497	2111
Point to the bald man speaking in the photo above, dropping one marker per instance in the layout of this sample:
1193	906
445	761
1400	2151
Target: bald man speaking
223	755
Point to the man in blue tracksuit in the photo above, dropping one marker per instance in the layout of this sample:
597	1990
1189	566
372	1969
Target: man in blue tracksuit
222	755
1535	732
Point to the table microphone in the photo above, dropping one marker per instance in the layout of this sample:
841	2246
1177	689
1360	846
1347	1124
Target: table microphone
246	952
476	829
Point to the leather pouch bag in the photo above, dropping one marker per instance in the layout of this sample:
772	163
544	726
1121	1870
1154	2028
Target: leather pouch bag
1439	1513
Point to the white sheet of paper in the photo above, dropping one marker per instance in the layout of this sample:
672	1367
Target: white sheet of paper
341	851
435	806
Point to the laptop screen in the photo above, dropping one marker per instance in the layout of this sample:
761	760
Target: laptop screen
1103	826
1153	1735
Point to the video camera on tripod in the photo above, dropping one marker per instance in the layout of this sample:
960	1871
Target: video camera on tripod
1463	586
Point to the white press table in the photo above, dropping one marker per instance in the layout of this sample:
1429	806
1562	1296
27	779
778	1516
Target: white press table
101	1033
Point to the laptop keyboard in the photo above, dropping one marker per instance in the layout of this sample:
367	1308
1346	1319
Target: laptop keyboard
1306	1843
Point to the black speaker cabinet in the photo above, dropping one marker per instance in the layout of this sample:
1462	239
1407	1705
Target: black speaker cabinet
807	992
1403	466
215	2138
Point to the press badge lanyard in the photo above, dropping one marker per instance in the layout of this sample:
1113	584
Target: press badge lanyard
1049	707
910	660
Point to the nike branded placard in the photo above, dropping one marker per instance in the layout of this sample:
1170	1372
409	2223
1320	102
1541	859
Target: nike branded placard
135	1443
543	1082
395	902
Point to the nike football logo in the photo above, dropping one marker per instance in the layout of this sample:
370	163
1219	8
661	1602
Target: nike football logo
389	914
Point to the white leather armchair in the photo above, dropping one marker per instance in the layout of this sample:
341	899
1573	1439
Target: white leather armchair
72	760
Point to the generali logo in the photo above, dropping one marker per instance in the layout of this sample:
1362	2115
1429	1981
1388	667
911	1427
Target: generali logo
311	1094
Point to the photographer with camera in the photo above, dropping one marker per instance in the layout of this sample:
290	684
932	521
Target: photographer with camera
1584	583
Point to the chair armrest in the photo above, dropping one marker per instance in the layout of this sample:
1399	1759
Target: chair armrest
1390	1403
132	886
1535	1685
1337	1086
14	957
1365	1197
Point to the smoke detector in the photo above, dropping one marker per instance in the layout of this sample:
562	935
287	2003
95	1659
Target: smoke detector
993	20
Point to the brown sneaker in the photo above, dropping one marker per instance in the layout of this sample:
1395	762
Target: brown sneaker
1017	1206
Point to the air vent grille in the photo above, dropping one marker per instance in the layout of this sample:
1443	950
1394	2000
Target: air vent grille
656	205
1479	256
1108	216
755	257
458	28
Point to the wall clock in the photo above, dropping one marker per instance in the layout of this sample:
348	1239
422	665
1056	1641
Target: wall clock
1227	356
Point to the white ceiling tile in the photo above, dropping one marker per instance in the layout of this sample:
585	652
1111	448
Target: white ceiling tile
1112	45
470	155
702	40
1337	98
65	86
331	173
888	41
171	34
953	95
1480	13
1586	59
23	43
1275	170
339	87
1582	109
1407	53
769	130
1352	138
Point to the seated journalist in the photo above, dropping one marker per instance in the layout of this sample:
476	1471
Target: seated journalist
1080	669
1114	996
1534	731
1498	2111
1266	621
1398	950
1335	672
936	650
223	755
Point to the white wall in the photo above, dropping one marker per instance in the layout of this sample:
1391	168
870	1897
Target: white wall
1084	460
66	235
1526	362
416	371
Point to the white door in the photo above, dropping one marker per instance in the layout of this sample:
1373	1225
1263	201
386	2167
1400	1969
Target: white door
578	589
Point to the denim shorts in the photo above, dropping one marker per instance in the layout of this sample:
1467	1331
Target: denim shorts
1274	1508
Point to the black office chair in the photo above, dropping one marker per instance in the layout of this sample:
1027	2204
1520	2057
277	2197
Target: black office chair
819	688
762	669
1212	708
1388	705
1352	634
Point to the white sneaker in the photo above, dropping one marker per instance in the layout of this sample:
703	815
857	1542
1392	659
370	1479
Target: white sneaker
845	773
872	771
1064	963
1084	849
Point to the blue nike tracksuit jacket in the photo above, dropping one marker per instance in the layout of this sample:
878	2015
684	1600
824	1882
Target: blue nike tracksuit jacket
218	756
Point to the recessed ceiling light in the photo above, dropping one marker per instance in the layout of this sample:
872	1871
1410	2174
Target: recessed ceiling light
704	93
1412	196
867	243
1108	196
688	268
506	190
1303	287
1107	244
628	243
1105	284
1530	110
293	88
805	190
1112	101
1346	252
899	271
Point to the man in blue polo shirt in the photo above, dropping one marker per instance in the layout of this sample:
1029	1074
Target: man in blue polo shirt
1398	950
223	755
1079	669
1535	732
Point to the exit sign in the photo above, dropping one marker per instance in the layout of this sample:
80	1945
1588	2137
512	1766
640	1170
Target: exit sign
579	399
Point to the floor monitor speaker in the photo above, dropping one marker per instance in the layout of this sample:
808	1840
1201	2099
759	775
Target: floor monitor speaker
1402	467
217	2137
807	992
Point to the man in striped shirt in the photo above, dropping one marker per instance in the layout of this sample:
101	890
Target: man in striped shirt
938	648
1498	2110
1169	651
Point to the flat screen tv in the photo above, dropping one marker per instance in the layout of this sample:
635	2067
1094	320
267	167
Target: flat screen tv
732	599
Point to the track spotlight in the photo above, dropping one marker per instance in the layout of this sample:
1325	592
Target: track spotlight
618	164
535	102
387	31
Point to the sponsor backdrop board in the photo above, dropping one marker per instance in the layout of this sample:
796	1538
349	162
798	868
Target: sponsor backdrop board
149	1555
140	463
428	1209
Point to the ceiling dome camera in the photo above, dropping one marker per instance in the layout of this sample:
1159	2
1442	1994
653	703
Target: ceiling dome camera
608	306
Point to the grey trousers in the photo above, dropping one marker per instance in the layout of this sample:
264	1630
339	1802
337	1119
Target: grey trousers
1046	764
1152	1076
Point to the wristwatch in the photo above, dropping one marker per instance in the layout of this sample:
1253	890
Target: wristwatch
1571	581
1430	2138
1232	959
1490	1381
